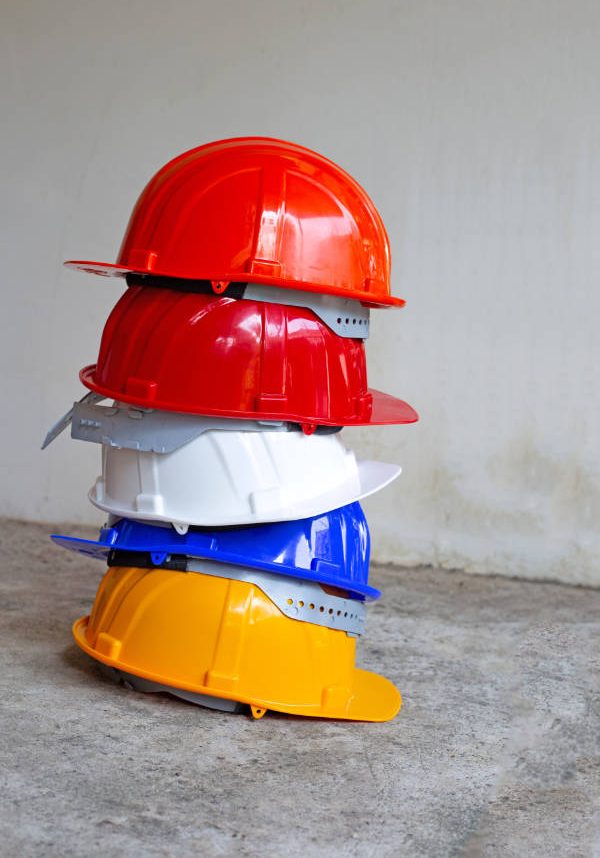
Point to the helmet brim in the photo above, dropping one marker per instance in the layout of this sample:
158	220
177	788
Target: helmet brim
386	409
373	477
100	551
111	269
370	697
330	549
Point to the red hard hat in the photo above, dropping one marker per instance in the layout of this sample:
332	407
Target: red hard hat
201	354
258	210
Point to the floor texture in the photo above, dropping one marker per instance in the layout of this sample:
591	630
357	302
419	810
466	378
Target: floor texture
496	751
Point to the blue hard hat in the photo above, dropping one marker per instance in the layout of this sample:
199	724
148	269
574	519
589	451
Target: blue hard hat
332	549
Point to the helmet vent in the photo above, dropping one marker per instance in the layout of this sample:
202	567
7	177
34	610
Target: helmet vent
346	324
322	609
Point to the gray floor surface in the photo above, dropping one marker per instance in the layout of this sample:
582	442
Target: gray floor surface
495	752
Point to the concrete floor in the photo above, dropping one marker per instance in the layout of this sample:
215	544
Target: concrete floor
495	752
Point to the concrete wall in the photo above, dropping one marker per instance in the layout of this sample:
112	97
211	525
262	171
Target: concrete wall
474	126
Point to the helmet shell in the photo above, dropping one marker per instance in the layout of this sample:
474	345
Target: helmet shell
194	353
226	639
231	479
258	210
331	549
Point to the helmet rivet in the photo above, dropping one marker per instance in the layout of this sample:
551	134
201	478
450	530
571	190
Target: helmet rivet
219	286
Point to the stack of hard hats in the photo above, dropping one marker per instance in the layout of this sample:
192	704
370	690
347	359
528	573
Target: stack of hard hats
237	551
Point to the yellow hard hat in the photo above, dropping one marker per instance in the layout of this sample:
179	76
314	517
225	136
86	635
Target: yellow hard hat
201	635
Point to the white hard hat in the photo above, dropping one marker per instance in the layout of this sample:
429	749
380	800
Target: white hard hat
223	478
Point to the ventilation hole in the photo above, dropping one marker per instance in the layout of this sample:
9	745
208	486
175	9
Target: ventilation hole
290	601
339	320
360	321
331	611
321	609
339	613
345	613
353	321
347	320
311	606
301	603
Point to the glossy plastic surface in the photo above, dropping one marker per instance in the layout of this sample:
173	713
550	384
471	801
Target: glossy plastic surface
224	479
331	549
194	353
225	638
258	210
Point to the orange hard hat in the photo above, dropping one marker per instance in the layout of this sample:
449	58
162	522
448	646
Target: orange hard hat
258	210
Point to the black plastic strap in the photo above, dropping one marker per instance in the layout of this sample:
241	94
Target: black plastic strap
182	284
143	560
